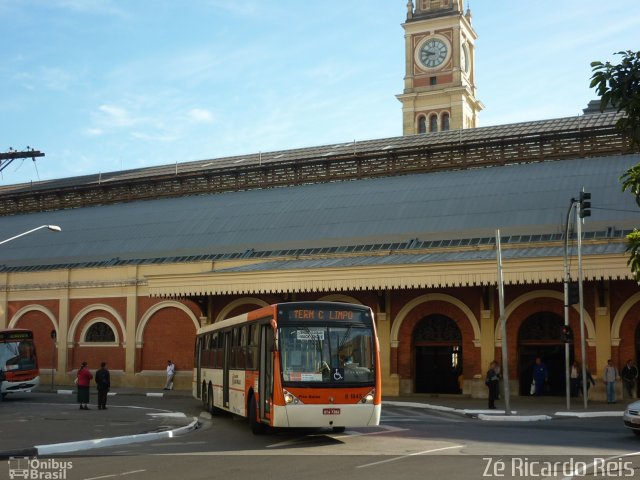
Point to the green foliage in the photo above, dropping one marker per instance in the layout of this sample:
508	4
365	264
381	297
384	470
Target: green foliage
619	86
633	247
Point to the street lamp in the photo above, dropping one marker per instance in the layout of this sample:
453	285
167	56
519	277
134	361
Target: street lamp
53	228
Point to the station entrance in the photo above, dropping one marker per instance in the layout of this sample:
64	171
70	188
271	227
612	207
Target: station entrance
540	336
437	343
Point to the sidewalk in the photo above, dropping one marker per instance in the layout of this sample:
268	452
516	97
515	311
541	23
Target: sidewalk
523	408
33	428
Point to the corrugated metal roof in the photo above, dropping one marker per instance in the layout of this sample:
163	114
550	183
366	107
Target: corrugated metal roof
518	199
422	258
499	134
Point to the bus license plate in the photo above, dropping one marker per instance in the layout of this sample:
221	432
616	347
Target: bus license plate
331	411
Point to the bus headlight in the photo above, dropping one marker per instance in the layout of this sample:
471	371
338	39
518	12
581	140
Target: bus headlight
368	398
290	398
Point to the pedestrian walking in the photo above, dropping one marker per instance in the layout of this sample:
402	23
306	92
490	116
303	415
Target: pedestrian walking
540	377
83	382
103	382
575	379
492	381
609	377
629	374
171	371
590	381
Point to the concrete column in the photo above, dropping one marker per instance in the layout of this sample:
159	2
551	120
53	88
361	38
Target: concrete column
63	344
603	329
131	323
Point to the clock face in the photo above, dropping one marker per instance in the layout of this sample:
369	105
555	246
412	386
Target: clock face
433	52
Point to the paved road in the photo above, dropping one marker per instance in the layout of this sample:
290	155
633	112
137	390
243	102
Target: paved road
410	443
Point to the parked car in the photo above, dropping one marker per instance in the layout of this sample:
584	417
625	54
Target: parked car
631	417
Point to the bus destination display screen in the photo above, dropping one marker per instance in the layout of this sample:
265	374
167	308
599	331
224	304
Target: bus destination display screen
324	315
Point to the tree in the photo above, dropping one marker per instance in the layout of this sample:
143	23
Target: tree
619	86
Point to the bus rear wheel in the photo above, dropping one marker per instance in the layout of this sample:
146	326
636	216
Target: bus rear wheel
257	427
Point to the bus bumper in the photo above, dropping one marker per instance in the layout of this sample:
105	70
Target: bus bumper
357	415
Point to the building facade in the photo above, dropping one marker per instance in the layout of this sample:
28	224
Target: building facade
405	225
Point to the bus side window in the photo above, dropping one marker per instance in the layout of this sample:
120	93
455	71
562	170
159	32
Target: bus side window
242	348
252	349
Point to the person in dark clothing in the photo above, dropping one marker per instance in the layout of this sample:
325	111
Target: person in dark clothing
492	381
103	382
629	376
540	376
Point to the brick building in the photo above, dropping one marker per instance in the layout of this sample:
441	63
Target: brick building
405	225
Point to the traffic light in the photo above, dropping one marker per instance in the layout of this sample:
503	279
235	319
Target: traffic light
574	293
585	204
566	334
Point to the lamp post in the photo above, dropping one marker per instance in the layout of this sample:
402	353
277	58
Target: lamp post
53	228
54	335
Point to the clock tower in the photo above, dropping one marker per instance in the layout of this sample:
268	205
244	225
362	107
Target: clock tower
439	83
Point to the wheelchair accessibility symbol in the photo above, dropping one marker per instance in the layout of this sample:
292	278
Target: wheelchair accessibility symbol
338	374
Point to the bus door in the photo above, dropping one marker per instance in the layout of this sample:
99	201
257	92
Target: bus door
265	384
225	369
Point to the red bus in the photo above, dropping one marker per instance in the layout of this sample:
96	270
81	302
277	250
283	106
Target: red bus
18	361
299	364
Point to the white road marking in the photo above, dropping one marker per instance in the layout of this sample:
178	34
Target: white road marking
113	475
409	455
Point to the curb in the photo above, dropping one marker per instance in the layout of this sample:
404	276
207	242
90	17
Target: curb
499	415
68	447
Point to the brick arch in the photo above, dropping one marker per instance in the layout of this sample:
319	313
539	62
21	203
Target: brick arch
623	331
38	319
574	312
95	353
441	305
224	313
81	315
340	298
432	297
630	305
166	332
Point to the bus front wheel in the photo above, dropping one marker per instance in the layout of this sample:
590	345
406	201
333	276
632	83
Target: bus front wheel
257	427
210	408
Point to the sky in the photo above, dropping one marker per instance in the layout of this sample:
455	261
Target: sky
108	85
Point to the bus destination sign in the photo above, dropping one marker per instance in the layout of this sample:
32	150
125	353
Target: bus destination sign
326	314
7	336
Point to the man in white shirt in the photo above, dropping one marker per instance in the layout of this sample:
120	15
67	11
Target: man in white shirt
171	371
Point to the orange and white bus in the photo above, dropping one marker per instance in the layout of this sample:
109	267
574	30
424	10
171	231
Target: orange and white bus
18	361
300	364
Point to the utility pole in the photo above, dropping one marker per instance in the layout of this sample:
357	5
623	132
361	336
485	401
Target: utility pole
11	155
583	209
567	304
503	328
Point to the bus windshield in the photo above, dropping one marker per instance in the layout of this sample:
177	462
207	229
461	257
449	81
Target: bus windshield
17	355
331	354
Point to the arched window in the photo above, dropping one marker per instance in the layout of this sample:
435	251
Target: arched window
444	122
433	123
422	124
100	332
